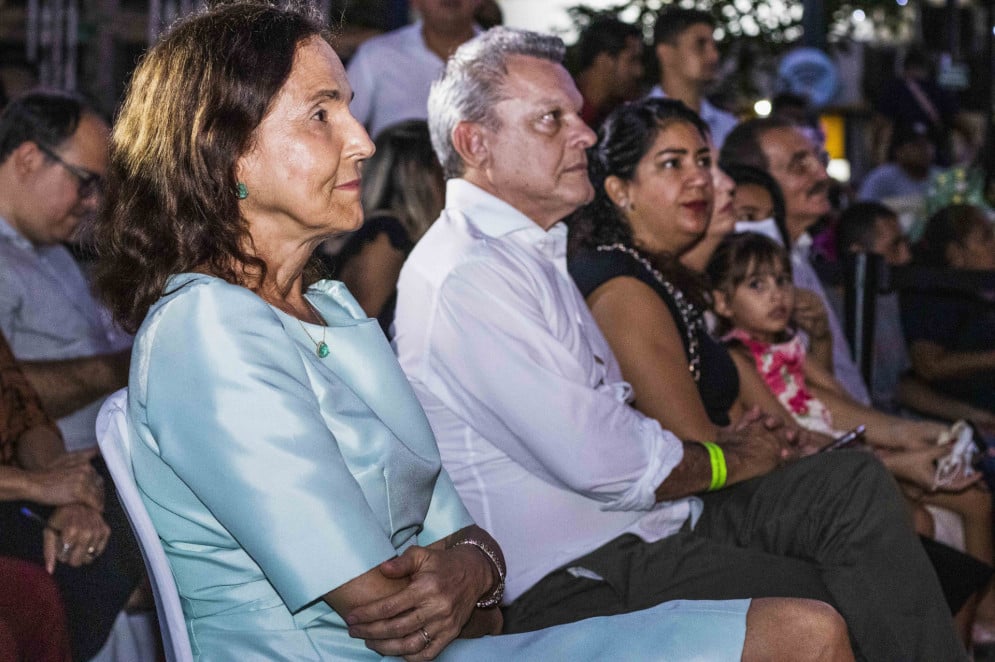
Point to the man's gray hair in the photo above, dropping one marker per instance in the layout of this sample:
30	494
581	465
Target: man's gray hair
471	85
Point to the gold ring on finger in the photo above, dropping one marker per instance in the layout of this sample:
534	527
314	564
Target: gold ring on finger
426	637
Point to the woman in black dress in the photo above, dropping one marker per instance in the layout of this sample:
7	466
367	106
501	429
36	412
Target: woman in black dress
654	199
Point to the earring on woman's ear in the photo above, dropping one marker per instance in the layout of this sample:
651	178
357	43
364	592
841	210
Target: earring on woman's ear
241	191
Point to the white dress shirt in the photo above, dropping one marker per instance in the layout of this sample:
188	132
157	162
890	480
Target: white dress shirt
48	313
391	75
844	367
719	122
523	393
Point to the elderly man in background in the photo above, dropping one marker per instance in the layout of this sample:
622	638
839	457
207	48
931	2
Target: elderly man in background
596	505
784	151
391	74
688	57
53	153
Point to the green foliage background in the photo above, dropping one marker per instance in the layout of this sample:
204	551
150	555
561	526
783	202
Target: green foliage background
773	26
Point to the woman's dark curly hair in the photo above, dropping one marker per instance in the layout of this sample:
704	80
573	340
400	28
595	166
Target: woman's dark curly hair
624	139
189	113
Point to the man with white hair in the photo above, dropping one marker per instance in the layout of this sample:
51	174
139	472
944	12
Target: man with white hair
593	503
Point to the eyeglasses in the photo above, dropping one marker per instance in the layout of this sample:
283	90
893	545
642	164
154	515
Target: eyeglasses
89	183
807	162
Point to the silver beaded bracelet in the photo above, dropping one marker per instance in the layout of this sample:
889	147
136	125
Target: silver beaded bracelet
494	597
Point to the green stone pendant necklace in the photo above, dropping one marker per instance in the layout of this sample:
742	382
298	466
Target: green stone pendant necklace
320	348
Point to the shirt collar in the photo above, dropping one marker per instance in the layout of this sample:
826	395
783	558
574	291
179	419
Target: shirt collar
803	245
708	111
496	218
7	231
417	34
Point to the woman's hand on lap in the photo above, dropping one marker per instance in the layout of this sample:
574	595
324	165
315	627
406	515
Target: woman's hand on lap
919	468
811	442
75	535
915	435
444	587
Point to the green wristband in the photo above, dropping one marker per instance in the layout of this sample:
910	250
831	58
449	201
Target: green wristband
718	460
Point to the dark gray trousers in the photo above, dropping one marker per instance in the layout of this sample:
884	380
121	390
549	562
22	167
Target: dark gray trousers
832	527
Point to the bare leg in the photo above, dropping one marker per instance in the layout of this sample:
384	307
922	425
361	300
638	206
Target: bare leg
796	630
975	509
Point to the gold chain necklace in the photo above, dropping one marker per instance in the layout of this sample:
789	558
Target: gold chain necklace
320	348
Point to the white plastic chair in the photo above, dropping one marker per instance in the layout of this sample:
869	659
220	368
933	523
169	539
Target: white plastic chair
115	441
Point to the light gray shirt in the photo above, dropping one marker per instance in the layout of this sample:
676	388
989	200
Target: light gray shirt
844	367
391	75
719	122
48	313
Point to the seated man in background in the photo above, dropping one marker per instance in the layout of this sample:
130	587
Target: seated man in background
909	168
54	512
873	228
53	154
600	510
390	74
609	61
783	150
688	58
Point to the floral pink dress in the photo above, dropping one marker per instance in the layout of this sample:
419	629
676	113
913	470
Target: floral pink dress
782	367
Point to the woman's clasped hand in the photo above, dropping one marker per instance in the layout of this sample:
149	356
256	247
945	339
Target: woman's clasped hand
441	591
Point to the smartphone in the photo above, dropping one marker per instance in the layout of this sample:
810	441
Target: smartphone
846	440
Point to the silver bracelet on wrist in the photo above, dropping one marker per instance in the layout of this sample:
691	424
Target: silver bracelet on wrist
493	598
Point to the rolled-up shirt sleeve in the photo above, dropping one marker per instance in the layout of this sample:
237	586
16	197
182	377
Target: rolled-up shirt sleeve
513	363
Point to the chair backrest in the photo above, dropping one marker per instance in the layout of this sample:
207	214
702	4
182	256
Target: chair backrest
115	441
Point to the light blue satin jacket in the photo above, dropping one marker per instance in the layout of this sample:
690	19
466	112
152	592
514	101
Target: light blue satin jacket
273	476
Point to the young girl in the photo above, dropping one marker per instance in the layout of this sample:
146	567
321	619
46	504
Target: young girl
753	296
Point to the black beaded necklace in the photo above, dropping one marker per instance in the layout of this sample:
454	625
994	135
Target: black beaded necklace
694	321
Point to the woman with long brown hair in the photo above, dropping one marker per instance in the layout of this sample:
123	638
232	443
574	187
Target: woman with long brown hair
283	458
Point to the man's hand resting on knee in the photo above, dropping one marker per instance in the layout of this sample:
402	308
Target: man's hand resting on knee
757	444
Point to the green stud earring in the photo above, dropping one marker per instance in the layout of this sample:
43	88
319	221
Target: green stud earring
242	191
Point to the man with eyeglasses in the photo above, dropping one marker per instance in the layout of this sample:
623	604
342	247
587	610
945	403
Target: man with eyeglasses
53	155
782	149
